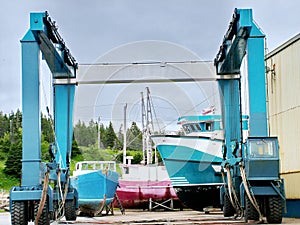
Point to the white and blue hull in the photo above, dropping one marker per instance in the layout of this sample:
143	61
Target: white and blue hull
193	164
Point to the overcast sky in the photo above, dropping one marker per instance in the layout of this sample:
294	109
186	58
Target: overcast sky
91	28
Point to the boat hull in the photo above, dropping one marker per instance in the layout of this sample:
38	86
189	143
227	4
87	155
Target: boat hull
95	190
137	194
193	165
140	183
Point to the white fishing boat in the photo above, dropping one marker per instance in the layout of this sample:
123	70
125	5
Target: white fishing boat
193	160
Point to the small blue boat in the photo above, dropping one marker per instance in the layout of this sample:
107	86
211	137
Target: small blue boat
96	183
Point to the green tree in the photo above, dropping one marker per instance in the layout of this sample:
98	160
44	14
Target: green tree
47	129
75	149
85	135
137	158
119	139
134	137
110	137
13	165
4	124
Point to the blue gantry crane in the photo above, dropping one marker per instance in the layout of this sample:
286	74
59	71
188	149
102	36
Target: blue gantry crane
45	192
251	164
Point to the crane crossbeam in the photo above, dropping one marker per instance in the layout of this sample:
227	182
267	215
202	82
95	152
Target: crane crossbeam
142	81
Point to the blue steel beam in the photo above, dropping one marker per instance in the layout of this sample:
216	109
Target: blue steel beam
57	55
233	48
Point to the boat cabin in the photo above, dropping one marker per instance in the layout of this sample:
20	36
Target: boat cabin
204	123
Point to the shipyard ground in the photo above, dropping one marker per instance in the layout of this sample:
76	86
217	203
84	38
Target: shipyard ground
138	217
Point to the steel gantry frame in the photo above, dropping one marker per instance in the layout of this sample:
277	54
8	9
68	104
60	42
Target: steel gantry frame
35	200
251	163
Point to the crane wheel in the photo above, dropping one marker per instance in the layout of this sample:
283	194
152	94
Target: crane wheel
70	210
228	209
250	212
44	217
274	210
19	213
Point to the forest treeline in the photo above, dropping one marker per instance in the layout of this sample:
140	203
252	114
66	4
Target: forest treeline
84	135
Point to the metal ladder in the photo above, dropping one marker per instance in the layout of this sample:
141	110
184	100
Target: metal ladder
119	204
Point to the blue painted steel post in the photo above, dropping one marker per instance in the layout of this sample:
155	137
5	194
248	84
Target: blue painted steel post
63	101
258	126
229	89
31	120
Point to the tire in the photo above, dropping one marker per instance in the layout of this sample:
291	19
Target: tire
44	218
54	215
250	212
19	213
70	210
228	209
274	210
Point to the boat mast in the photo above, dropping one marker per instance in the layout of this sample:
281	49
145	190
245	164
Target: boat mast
143	128
125	136
149	126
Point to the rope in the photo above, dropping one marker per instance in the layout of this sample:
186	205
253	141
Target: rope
234	201
232	195
101	206
43	198
229	181
250	195
61	203
51	122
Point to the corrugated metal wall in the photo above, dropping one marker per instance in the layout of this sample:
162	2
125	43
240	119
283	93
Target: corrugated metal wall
283	83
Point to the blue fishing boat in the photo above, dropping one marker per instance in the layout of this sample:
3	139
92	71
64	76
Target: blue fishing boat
193	160
96	183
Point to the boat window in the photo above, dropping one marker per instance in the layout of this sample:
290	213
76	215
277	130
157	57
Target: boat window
84	166
192	127
126	170
186	128
208	126
98	166
198	127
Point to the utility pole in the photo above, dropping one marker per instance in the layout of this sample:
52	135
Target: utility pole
125	136
99	135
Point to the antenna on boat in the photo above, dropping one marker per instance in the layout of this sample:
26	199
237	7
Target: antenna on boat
125	136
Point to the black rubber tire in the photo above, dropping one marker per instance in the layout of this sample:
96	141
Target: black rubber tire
70	210
228	209
250	212
274	210
19	213
44	218
54	215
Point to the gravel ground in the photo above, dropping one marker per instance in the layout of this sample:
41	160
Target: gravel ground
135	217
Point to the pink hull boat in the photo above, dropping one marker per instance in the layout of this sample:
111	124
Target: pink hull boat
141	185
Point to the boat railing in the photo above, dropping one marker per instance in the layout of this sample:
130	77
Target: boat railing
95	165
